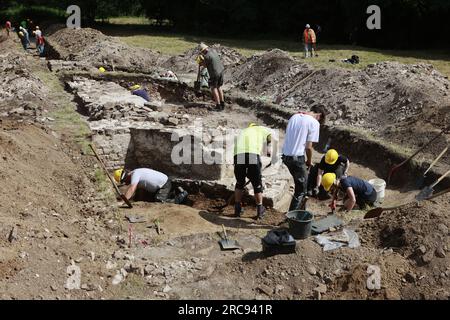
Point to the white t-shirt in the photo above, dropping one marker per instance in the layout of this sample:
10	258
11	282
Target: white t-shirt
38	33
301	129
149	180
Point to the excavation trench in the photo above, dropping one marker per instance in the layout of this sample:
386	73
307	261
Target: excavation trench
179	133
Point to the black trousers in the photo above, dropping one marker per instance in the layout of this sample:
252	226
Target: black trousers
299	171
164	194
249	166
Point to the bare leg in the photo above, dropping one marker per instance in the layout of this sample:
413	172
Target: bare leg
216	95
259	199
238	194
221	95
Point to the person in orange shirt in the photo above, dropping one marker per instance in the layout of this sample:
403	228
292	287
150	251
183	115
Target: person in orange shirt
309	39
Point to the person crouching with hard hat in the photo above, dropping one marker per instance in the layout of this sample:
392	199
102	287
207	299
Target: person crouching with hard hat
137	90
153	183
357	191
332	162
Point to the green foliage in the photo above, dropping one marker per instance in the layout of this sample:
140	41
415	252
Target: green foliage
405	23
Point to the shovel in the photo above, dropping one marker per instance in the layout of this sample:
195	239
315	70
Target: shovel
197	86
395	168
121	195
227	244
421	181
377	212
428	191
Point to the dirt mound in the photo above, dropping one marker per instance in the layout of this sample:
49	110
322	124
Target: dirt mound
421	235
392	100
185	63
269	73
93	47
21	92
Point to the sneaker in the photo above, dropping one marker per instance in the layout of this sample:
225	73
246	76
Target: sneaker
181	198
261	212
238	211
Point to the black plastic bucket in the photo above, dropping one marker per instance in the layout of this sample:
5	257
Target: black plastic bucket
300	224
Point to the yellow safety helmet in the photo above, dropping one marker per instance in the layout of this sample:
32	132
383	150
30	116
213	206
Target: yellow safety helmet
251	125
101	69
135	87
328	180
331	157
21	33
118	175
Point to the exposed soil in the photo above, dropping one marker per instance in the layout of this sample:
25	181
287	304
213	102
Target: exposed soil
53	211
402	104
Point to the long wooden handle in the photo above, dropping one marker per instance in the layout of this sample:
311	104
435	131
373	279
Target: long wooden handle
111	178
225	232
440	194
440	179
436	161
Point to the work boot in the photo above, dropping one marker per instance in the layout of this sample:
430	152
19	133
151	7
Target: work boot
261	212
218	107
222	105
238	211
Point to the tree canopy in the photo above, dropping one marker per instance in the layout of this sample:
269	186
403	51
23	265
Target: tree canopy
405	23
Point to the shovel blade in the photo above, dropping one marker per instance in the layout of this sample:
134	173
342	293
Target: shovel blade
229	245
374	213
425	194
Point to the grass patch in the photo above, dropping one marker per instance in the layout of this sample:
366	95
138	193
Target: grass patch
126	20
67	119
174	44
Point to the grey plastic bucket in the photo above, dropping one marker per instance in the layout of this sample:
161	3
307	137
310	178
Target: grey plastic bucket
300	224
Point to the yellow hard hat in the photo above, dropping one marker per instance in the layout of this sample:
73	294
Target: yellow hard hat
331	157
118	175
251	125
328	180
21	33
101	69
135	87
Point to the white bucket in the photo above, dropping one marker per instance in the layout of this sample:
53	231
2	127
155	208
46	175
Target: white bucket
380	187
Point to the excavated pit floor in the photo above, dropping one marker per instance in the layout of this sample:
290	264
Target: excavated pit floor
187	250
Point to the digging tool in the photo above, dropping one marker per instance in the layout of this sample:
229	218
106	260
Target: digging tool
287	93
111	178
197	84
428	191
377	212
421	180
232	197
395	168
228	244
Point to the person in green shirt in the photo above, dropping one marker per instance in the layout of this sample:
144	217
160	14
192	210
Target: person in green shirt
247	164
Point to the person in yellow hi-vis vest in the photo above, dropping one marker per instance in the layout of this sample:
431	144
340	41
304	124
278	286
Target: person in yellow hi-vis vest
248	148
309	39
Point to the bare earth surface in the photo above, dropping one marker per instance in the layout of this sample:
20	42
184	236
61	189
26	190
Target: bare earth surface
54	213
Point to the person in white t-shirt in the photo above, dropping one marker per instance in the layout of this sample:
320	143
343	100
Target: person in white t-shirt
153	182
302	132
